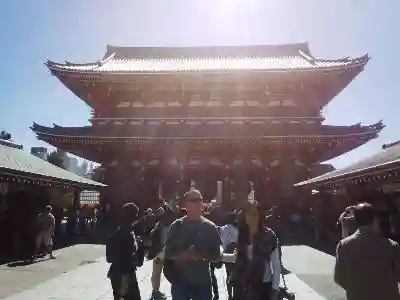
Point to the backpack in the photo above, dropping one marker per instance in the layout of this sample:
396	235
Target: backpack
112	249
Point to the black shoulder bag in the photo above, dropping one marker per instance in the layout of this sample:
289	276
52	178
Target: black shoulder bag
171	272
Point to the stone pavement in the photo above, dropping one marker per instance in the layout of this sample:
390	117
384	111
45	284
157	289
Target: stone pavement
314	269
20	276
89	282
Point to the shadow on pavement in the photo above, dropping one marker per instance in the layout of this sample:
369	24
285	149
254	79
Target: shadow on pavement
324	245
26	262
97	236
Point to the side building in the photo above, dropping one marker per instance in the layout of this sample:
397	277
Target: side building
40	152
249	116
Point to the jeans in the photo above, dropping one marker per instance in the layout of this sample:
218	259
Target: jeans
183	290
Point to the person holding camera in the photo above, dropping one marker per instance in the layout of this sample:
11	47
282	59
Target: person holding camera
347	222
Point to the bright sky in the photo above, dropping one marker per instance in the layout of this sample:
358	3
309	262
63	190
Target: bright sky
78	31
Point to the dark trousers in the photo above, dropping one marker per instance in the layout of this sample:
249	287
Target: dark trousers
229	286
183	290
133	289
214	282
254	292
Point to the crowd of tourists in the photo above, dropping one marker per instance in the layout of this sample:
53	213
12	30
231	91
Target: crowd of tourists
187	246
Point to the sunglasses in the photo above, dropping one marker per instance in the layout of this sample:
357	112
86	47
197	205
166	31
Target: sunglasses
195	200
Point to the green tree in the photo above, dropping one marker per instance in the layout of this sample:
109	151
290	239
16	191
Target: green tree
56	159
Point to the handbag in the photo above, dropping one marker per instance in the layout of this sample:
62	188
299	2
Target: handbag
284	291
170	271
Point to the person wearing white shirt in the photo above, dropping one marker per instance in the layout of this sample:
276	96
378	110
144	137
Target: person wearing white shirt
257	268
229	234
229	237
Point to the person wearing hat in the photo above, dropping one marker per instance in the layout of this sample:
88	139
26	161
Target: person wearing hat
192	243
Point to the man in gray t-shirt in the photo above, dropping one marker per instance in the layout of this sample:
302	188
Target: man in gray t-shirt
192	242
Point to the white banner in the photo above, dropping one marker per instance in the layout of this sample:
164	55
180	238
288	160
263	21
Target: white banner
218	197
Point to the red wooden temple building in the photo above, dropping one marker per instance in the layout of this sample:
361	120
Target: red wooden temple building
163	117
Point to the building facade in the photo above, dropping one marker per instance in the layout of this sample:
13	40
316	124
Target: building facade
249	116
40	152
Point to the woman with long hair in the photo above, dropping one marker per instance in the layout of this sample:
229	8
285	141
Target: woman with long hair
257	269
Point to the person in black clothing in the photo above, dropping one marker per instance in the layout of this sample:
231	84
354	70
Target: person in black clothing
122	252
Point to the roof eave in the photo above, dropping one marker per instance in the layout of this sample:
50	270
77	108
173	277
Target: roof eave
217	138
225	71
50	179
388	166
53	66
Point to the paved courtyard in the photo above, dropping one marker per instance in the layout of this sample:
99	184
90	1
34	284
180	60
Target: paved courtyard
83	276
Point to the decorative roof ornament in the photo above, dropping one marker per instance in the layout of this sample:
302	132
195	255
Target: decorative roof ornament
378	126
194	159
215	161
173	161
256	161
154	161
298	162
4	135
252	195
136	163
238	161
275	163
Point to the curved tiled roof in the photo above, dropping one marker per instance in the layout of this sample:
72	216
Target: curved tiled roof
384	160
11	144
18	163
224	130
197	59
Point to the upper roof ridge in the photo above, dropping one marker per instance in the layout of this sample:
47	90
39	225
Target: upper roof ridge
208	51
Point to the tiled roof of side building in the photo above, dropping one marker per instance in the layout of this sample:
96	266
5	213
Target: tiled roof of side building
203	131
383	160
19	163
197	59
